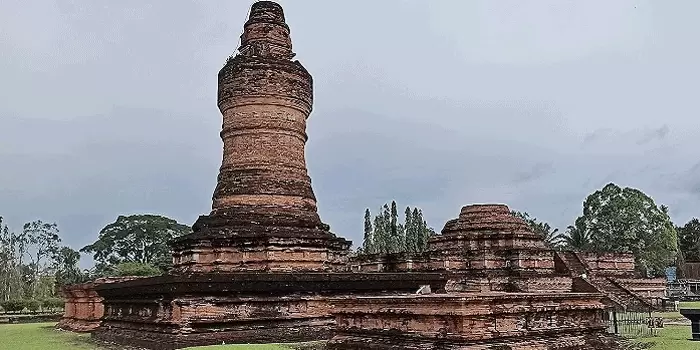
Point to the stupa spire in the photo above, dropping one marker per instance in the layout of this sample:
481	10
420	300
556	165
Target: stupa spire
264	214
266	33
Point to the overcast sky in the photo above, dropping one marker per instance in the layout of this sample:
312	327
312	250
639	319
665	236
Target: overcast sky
109	107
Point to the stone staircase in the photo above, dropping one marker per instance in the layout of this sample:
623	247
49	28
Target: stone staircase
621	295
573	262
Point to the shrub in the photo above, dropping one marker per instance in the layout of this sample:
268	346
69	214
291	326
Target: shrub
52	303
135	269
32	305
15	305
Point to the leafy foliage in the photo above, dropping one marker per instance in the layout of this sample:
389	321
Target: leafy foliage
13	305
549	235
576	237
67	269
386	235
136	238
29	261
52	303
627	220
689	240
134	269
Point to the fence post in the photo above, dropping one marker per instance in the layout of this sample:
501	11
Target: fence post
614	314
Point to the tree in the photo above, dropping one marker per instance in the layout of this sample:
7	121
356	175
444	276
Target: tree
549	235
10	277
412	234
422	231
689	240
136	238
66	266
388	235
368	242
576	237
627	220
44	240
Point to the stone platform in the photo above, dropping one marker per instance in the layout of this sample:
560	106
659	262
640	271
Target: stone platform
83	308
473	321
170	312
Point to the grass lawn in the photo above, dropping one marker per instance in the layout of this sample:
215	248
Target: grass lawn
674	315
42	336
671	338
38	336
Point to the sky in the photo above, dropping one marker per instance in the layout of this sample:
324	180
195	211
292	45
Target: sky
109	108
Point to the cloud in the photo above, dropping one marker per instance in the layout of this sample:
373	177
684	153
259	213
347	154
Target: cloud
656	134
108	110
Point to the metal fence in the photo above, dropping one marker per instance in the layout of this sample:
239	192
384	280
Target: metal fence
632	324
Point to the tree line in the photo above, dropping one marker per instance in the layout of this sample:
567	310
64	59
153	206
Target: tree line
33	261
614	219
385	234
34	264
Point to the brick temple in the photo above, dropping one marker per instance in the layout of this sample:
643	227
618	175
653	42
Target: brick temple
262	267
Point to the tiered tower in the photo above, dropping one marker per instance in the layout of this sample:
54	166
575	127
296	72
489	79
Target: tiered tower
264	214
488	238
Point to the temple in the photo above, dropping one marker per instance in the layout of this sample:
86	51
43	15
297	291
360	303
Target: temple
262	267
264	215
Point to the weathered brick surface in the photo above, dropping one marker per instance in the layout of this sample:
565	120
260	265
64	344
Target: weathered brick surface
612	274
264	214
83	308
471	321
169	312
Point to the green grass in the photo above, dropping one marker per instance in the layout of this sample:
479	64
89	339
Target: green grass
675	315
39	336
671	338
42	336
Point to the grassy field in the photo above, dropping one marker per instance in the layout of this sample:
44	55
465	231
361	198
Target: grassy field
674	315
37	336
671	338
41	336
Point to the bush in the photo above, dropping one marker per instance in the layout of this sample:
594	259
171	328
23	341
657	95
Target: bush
15	305
135	269
52	303
32	305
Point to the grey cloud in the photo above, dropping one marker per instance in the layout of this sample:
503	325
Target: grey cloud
536	171
111	108
656	134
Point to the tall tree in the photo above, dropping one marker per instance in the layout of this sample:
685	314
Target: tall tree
689	240
394	240
368	243
66	266
391	236
412	235
44	240
136	238
627	220
423	232
10	276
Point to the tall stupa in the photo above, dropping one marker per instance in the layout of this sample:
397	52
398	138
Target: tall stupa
264	215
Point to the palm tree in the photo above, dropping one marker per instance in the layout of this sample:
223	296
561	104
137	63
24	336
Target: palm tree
576	236
549	235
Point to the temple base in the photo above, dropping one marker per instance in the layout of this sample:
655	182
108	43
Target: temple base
171	312
472	321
